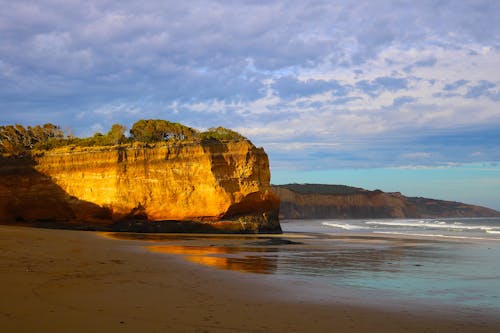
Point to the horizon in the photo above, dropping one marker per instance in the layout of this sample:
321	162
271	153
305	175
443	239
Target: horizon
401	97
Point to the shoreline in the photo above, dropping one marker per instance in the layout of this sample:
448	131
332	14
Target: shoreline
63	280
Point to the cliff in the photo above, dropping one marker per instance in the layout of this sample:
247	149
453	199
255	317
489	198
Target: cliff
302	201
205	186
440	208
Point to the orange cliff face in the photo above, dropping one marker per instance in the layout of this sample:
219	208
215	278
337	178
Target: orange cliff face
210	186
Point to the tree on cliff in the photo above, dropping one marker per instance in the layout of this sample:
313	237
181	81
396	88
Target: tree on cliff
116	134
17	140
221	133
13	139
45	133
154	130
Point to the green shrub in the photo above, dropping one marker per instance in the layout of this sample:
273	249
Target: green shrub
221	134
16	140
156	130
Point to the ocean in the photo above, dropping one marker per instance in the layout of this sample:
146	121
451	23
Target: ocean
453	228
450	263
453	262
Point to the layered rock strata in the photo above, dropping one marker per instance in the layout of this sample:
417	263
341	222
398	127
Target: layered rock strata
208	186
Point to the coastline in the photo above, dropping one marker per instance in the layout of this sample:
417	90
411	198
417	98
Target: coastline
61	280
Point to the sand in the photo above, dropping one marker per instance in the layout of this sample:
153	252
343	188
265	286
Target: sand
76	281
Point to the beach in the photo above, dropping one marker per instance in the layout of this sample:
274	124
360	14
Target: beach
77	281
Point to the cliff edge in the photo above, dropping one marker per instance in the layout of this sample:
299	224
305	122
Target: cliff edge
204	186
307	201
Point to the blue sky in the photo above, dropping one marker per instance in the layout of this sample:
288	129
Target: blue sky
396	95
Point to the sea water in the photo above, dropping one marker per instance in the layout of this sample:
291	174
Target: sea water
457	228
451	261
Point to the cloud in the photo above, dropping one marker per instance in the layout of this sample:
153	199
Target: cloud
382	83
430	62
344	84
427	62
484	88
455	85
400	101
417	155
291	87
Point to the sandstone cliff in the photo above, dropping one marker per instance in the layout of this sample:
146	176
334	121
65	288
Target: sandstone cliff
196	186
302	201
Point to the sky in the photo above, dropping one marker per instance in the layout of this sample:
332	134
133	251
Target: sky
391	95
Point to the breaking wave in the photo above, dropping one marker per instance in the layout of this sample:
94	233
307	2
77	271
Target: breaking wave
429	235
344	226
446	228
433	225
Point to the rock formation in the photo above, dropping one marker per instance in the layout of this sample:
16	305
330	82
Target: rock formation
306	201
205	186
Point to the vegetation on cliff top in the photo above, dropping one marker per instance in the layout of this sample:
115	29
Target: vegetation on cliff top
17	140
322	189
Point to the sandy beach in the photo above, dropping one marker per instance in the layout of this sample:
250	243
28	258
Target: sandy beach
76	281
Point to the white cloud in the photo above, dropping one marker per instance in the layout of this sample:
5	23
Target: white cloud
117	109
417	155
364	77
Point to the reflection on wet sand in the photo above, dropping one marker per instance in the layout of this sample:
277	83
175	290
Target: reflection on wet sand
189	237
405	267
315	255
311	259
215	256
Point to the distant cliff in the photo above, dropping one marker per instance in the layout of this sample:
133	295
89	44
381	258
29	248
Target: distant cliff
302	201
208	185
440	208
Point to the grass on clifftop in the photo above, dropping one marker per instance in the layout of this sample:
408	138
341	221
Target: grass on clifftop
321	189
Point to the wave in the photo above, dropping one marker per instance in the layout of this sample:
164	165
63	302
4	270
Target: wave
434	224
431	235
343	226
493	231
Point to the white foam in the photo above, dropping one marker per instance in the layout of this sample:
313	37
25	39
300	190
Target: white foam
434	224
493	231
345	226
431	235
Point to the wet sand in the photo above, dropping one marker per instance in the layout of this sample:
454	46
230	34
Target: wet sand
74	281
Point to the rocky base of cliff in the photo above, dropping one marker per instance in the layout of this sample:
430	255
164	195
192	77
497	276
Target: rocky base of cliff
244	225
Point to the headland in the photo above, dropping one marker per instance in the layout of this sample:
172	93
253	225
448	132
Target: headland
313	201
201	182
